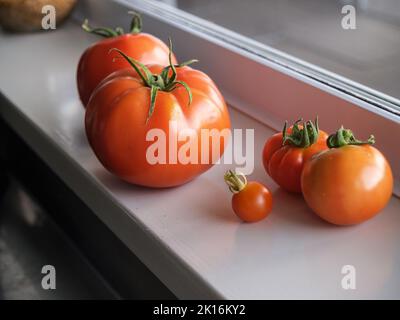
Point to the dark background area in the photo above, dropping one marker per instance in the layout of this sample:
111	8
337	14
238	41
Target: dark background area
43	222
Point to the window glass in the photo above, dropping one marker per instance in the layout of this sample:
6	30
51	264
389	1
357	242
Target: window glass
361	44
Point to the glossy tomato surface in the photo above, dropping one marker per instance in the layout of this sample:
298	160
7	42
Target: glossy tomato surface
347	185
97	62
253	203
117	130
284	163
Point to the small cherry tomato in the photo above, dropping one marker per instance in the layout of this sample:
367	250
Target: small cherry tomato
286	152
349	183
97	62
251	201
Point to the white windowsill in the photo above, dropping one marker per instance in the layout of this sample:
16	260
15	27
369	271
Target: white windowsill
188	236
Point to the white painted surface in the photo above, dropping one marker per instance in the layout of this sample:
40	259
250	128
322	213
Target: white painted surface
188	236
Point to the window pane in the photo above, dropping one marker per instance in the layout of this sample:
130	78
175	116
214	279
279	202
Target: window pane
312	30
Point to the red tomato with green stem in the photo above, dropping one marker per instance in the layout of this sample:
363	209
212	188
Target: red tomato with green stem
349	183
286	152
96	63
130	103
251	201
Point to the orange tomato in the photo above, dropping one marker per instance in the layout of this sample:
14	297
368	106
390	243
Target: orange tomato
251	201
130	103
349	183
97	62
286	152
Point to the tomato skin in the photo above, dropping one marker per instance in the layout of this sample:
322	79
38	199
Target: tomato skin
253	203
347	185
116	125
284	163
97	62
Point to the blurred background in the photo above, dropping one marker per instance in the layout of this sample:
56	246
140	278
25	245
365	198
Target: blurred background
311	30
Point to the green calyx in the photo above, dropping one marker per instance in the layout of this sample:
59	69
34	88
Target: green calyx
301	137
165	81
135	27
344	137
235	181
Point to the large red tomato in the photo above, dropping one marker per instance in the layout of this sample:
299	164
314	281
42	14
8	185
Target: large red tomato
286	152
130	105
97	62
349	183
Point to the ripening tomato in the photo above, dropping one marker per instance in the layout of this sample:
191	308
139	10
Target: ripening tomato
349	183
134	110
97	62
251	201
286	152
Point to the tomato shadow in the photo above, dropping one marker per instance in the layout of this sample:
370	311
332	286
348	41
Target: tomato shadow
80	138
216	203
290	209
121	186
205	196
201	195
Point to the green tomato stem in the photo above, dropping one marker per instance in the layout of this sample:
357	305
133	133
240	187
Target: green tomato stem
135	27
301	138
136	23
235	181
102	31
344	137
166	81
